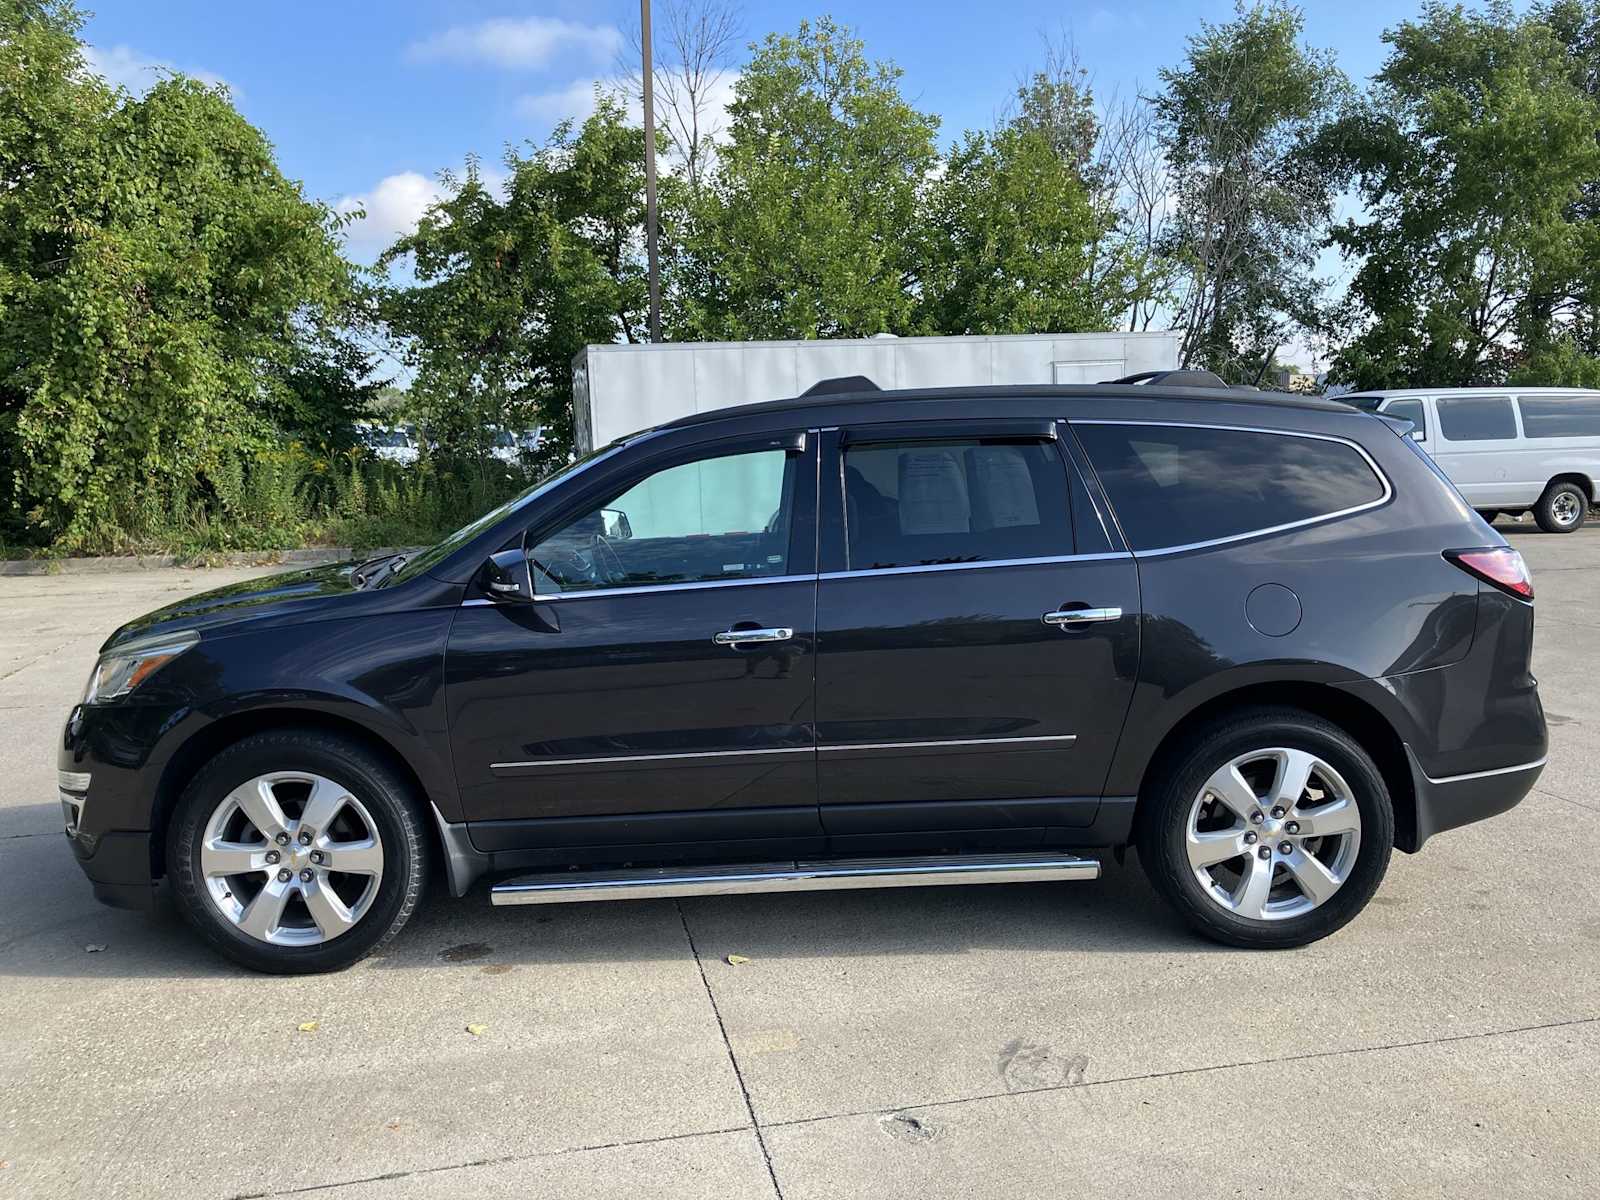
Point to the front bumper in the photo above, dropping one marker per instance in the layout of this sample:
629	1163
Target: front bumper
1456	800
106	799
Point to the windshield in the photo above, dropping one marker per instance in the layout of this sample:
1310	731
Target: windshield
1365	403
421	561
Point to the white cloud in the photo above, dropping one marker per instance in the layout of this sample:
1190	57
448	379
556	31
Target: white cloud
395	204
123	66
513	43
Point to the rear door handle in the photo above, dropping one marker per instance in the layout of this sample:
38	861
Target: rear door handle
740	637
1081	616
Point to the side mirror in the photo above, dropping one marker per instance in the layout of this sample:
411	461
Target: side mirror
616	524
1418	436
505	578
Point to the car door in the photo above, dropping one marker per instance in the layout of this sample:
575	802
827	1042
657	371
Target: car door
659	688
975	661
1476	447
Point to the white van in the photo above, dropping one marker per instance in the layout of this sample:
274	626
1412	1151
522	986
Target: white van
1507	450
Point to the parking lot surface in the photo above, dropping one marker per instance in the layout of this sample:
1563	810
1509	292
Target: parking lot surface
988	1041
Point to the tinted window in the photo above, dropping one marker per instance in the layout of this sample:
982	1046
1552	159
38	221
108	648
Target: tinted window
1176	485
1560	416
921	503
1409	410
1476	418
717	518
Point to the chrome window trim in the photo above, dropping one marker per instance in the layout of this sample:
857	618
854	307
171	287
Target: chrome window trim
687	585
1527	766
1157	552
690	754
917	568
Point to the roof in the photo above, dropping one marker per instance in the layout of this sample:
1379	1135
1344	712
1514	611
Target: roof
1099	391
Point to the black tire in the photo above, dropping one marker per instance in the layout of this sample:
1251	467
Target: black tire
1166	805
1561	498
393	809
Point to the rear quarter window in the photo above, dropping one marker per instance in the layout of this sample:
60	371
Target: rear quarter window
1177	485
1560	416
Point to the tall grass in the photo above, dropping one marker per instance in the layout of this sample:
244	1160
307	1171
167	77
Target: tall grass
289	500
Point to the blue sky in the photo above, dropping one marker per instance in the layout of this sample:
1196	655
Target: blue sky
357	93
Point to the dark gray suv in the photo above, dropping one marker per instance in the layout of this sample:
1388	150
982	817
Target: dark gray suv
856	639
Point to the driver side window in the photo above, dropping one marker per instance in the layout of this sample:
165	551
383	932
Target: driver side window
713	519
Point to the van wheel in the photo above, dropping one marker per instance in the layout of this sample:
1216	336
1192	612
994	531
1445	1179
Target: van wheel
296	851
1271	829
1562	508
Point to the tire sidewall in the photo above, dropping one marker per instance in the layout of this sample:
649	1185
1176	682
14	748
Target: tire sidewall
1548	508
368	779
1166	837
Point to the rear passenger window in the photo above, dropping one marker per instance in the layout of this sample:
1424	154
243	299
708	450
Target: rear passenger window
1476	418
1175	485
927	503
1560	416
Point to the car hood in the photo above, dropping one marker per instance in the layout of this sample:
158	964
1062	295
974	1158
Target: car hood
292	595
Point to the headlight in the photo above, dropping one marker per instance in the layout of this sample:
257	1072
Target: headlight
121	670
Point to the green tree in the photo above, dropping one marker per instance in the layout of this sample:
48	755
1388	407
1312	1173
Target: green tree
1013	240
1474	157
806	228
1238	119
159	278
510	287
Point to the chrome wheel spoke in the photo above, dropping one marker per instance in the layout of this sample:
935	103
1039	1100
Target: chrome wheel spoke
1218	846
1325	820
1250	898
1294	773
326	801
1313	878
260	806
1232	789
1264	789
220	859
354	858
262	915
327	910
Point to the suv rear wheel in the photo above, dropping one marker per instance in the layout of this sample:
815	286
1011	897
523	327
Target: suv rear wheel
1562	508
1272	829
294	852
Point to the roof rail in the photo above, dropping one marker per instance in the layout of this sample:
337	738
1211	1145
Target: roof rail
840	385
1204	379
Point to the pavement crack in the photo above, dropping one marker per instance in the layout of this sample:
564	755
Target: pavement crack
1567	799
733	1059
1180	1072
497	1161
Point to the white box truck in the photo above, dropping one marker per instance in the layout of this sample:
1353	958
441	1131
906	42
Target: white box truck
620	389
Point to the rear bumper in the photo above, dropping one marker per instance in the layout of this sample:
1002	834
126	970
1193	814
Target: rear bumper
1456	800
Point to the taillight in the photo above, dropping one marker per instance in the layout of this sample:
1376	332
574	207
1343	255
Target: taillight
1499	565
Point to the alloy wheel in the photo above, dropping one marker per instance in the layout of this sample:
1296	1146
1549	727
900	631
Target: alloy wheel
1273	834
291	858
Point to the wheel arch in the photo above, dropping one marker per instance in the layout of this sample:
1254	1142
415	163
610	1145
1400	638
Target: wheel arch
1361	720
1577	477
206	743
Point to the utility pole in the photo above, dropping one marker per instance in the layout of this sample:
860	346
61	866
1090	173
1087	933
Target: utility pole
650	170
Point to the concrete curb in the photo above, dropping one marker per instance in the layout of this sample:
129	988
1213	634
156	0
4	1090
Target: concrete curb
315	556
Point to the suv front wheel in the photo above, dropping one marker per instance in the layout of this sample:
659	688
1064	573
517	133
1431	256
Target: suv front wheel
296	851
1272	829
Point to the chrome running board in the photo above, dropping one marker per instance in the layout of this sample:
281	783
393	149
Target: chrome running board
568	887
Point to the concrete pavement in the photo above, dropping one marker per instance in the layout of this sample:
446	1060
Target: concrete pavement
1005	1041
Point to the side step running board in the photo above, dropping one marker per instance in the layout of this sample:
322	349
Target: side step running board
568	887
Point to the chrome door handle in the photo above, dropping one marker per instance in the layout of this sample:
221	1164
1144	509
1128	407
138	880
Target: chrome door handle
1081	616
739	637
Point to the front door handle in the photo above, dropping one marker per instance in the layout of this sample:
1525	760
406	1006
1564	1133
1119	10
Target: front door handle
741	637
1081	616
